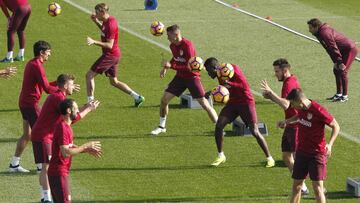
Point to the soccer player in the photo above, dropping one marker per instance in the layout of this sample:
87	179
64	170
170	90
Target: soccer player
43	130
63	150
21	11
8	72
182	50
34	83
312	150
342	52
241	103
109	60
288	143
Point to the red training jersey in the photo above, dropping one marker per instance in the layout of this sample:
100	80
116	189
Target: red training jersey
335	43
110	30
311	137
49	117
60	165
12	5
181	55
34	83
289	84
240	92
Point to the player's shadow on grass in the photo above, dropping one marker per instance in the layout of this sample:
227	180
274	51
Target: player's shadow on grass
8	110
193	199
7	173
164	168
339	195
134	9
8	140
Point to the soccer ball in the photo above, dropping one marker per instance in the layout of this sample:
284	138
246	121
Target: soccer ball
196	64
54	9
220	94
157	28
225	71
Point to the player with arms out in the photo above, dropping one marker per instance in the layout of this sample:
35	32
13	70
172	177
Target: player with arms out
43	130
21	11
289	139
109	60
241	103
182	50
312	150
34	83
342	52
64	149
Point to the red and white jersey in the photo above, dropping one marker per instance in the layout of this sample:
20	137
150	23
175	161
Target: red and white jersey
240	92
110	30
60	165
181	55
34	83
311	137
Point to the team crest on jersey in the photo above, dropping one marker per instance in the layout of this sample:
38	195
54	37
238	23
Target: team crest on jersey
309	116
181	52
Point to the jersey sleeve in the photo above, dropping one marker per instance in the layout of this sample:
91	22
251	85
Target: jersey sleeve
331	47
325	116
44	83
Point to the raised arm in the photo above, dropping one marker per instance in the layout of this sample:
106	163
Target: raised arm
268	93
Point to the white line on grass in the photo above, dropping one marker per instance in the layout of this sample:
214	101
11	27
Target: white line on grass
271	22
347	136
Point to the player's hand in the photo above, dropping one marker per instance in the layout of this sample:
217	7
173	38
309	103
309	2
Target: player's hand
90	41
328	150
341	66
76	87
281	124
165	64
8	72
266	90
93	148
163	72
93	104
226	84
93	17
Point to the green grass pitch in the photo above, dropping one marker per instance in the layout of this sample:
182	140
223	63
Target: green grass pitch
174	167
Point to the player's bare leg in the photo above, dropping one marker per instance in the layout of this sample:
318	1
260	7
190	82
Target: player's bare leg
20	147
296	191
125	88
164	110
319	191
210	110
44	182
219	139
262	143
90	84
288	159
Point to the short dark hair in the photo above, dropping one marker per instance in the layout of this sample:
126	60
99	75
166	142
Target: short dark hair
63	79
295	94
211	63
41	46
314	22
282	63
102	7
173	28
64	105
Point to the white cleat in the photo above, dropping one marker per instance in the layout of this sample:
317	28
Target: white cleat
17	169
158	130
